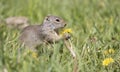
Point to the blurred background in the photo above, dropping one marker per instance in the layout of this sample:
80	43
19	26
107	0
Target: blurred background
95	27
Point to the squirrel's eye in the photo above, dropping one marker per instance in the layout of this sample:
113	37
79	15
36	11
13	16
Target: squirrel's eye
57	20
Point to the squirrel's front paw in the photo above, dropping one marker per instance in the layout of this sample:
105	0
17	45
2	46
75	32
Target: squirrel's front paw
66	36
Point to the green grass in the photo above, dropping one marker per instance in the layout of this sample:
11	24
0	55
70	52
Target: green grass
95	25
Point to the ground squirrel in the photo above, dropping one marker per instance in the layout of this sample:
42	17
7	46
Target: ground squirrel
35	35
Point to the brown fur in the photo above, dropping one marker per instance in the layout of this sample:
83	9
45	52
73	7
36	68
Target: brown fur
35	35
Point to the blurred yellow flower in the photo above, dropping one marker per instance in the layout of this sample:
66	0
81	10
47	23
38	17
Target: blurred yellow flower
34	55
66	31
110	51
107	61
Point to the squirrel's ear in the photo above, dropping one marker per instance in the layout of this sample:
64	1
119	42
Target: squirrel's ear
47	18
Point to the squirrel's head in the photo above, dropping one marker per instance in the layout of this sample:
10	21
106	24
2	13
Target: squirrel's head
54	22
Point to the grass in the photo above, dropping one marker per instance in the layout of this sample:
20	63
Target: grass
95	25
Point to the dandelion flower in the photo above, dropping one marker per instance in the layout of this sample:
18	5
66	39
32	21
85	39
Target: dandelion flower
66	31
107	61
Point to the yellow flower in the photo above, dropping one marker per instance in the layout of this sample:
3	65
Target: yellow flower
110	51
66	31
34	55
107	61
